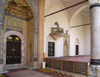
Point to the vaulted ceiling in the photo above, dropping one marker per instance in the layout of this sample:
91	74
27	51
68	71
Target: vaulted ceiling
84	12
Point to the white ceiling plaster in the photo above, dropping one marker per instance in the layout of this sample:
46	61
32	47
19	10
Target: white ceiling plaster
73	0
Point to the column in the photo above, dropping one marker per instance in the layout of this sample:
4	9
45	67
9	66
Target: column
95	31
41	32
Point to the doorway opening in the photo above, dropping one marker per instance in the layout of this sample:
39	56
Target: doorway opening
13	55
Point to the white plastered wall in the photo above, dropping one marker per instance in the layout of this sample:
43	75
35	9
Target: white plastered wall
75	33
49	22
87	40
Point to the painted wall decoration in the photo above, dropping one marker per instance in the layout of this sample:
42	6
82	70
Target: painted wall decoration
8	29
34	4
14	23
2	11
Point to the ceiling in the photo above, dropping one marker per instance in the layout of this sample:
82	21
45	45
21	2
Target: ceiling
68	3
73	0
86	10
85	13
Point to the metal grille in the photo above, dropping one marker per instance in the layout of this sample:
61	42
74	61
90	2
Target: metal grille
57	64
48	62
81	68
68	66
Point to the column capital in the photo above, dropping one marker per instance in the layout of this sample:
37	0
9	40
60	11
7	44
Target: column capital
93	1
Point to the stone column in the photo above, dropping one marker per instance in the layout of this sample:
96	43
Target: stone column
95	31
41	32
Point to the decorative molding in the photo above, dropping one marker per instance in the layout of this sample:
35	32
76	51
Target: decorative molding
14	23
9	29
95	5
93	1
95	62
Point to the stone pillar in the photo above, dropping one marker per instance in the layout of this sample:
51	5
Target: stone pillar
41	32
95	31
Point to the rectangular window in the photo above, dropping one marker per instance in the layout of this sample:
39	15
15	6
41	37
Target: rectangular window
51	48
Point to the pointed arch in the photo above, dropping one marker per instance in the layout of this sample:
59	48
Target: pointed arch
76	11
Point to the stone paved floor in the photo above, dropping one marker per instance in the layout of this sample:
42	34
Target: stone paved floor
28	73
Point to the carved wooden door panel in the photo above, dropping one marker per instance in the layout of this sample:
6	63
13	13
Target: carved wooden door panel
13	55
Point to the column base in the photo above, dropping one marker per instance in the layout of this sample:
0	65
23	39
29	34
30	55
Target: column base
1	67
93	70
95	62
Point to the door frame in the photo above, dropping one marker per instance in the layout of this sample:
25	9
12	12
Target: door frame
12	32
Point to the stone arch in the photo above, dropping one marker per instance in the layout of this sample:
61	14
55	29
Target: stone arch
77	11
12	32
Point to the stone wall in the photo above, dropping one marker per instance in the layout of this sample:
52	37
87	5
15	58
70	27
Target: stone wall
34	4
1	40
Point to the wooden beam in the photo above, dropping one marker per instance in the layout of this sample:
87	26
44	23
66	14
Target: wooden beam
80	25
66	8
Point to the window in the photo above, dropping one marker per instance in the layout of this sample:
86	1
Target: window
51	48
56	25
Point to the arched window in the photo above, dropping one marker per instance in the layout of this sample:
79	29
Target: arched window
56	25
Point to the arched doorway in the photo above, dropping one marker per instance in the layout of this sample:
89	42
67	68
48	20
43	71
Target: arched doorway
13	50
19	36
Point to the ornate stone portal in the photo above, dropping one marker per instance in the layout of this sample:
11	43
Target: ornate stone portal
22	49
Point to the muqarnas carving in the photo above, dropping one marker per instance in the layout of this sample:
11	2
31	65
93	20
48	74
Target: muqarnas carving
19	8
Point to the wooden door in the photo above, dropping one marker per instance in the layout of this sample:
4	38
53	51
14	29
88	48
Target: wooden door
13	55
